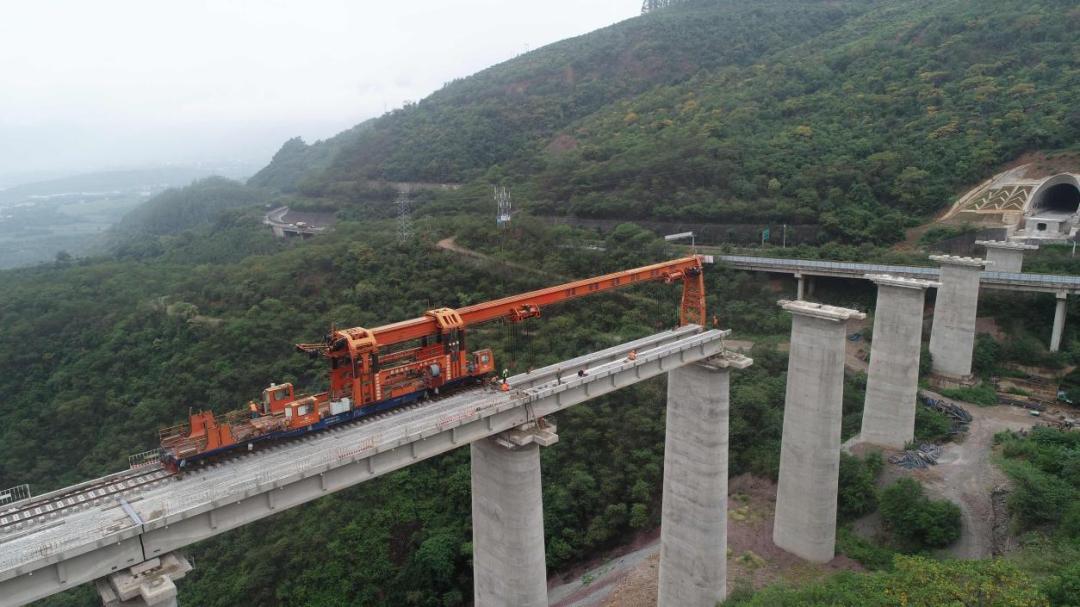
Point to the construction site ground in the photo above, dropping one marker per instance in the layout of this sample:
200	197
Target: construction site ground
628	577
965	475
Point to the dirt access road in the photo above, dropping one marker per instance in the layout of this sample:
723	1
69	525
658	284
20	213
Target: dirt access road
966	476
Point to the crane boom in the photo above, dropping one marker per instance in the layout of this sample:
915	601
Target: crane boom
527	305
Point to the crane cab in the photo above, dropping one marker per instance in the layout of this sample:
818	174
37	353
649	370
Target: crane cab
482	363
276	398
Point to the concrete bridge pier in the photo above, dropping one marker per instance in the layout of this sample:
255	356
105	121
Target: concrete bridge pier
1004	256
509	565
693	530
893	382
800	288
952	339
805	523
148	584
1059	322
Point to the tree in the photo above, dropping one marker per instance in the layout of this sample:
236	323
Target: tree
916	520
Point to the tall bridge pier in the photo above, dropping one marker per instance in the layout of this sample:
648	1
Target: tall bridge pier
952	339
1004	256
693	531
805	522
892	385
509	564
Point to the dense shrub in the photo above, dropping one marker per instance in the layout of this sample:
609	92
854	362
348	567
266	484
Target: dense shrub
980	394
915	520
931	426
1045	467
857	492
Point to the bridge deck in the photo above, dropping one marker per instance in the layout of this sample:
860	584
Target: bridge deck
1025	281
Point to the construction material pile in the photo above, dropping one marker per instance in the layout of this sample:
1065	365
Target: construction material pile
960	418
926	455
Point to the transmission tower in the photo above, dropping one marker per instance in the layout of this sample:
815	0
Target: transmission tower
502	200
405	228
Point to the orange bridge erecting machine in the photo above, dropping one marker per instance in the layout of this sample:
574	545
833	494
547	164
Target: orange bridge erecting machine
377	369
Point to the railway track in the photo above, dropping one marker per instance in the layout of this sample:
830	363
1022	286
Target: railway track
46	507
43	508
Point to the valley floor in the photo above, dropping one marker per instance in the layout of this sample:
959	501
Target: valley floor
965	475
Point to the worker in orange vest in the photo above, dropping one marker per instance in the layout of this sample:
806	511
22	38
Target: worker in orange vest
505	387
254	409
632	355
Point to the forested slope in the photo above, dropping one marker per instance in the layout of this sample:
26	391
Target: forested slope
860	115
474	123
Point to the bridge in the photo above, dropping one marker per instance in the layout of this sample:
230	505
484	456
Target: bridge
305	224
998	254
123	530
1007	281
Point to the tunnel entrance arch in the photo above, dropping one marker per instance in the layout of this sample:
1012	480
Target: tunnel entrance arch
1059	195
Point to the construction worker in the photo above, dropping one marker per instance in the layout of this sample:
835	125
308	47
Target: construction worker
632	355
505	387
254	409
505	374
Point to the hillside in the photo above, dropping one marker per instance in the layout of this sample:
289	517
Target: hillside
179	209
477	122
859	115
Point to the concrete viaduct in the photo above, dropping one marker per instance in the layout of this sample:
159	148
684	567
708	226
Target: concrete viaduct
1003	258
128	543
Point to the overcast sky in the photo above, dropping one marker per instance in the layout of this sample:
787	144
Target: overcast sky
97	84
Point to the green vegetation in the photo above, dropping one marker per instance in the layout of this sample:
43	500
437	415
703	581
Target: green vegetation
979	394
917	521
856	115
931	426
1044	465
858	491
939	233
179	209
914	581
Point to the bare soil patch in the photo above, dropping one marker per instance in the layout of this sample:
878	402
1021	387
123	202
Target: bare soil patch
753	559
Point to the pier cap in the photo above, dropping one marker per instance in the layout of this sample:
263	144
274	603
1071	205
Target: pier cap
954	260
1002	244
728	360
889	280
822	311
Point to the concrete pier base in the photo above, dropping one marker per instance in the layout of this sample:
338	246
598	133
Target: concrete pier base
1059	322
800	287
1005	256
805	523
952	339
693	532
893	382
148	584
509	566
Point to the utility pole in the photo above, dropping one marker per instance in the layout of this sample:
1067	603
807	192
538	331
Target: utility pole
405	228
